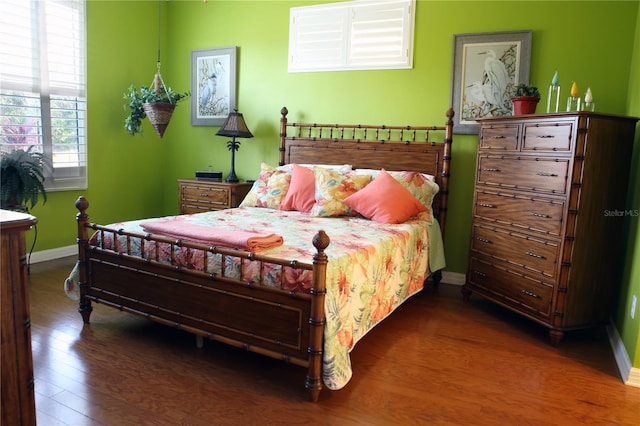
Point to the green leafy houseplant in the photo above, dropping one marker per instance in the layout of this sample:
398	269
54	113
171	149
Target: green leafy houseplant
526	90
525	98
22	176
139	104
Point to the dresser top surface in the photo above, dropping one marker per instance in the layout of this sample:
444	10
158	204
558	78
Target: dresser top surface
9	218
558	115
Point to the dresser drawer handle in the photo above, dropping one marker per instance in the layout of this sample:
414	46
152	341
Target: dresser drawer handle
483	240
480	274
490	206
532	294
547	174
536	255
546	136
203	194
491	170
545	216
497	137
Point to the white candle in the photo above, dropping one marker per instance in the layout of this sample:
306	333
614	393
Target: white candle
588	97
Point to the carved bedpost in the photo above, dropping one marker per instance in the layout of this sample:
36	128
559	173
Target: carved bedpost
83	237
446	160
317	320
283	133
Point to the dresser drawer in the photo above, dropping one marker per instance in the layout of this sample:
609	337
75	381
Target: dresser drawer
548	175
499	137
536	214
547	136
530	253
511	288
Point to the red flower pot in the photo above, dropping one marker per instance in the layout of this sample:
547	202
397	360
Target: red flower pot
524	104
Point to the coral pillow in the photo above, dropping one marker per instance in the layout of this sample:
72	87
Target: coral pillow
385	200
302	190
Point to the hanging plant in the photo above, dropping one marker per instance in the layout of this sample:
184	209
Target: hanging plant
156	101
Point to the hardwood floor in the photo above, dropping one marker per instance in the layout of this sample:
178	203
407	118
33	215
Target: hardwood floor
435	361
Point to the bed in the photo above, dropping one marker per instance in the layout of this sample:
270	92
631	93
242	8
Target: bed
296	299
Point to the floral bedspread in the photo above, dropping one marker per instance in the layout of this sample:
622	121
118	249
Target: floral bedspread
372	268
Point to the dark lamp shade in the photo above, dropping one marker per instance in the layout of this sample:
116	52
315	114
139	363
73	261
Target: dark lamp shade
235	126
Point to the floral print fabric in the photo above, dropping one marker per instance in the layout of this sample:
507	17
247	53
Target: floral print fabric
372	267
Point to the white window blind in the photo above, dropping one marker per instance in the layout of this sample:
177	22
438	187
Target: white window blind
355	35
43	85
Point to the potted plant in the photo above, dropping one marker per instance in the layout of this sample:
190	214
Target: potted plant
22	176
156	102
525	98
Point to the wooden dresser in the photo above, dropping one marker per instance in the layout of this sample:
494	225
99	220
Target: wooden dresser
18	403
198	196
548	211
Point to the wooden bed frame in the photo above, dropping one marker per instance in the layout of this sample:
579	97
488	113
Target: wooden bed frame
174	296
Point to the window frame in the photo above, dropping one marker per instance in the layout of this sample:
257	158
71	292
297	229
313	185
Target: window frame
50	99
340	36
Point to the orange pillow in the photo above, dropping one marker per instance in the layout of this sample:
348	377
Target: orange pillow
385	200
302	189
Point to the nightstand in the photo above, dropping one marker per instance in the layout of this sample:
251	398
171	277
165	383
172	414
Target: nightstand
198	196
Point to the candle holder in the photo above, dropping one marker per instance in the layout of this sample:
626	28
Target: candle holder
588	106
553	101
574	103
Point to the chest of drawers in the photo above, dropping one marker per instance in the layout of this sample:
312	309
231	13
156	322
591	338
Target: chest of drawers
16	362
200	196
548	214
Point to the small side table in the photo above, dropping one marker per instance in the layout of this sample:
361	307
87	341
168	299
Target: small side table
198	196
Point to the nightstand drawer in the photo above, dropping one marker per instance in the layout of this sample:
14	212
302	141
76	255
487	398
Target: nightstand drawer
536	255
547	136
511	288
200	196
217	196
536	214
538	174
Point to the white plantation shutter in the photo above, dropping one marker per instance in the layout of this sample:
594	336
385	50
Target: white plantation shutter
43	84
353	35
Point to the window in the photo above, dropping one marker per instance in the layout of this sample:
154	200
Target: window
43	85
355	35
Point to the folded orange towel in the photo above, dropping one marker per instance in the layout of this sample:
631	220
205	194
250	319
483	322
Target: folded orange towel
245	240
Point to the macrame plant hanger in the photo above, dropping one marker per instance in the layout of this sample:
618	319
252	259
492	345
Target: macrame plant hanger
159	113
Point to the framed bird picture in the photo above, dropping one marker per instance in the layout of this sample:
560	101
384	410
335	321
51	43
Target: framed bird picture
486	67
213	85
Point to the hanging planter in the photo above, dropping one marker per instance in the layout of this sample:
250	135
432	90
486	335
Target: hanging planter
159	114
156	101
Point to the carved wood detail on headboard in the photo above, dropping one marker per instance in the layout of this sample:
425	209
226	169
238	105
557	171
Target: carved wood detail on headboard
425	149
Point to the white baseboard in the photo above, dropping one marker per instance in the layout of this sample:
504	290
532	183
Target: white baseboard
634	378
53	254
454	278
630	375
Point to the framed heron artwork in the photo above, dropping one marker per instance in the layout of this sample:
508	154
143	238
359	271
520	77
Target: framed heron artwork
486	67
213	85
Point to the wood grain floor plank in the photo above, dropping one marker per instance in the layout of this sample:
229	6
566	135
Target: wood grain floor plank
435	361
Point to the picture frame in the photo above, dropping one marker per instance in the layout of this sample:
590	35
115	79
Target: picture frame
486	67
213	85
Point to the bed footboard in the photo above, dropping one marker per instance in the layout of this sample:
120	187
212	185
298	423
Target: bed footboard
214	306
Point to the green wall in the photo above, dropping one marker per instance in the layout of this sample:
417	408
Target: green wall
133	177
629	328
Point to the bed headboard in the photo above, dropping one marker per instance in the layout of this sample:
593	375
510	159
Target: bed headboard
426	149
